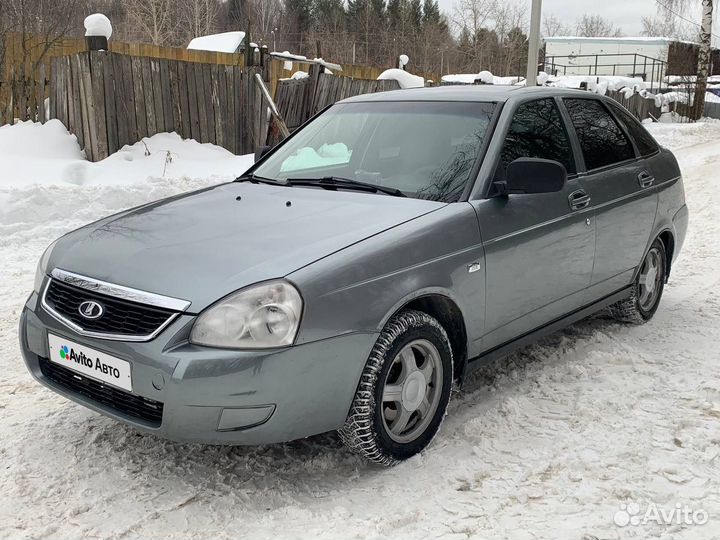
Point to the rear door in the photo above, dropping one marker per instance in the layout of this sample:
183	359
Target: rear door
620	186
539	248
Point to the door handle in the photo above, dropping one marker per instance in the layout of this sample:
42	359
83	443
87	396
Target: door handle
579	199
645	179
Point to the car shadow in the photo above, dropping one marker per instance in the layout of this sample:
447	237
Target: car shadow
312	467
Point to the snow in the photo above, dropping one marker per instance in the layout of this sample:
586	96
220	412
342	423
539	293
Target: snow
545	444
227	42
47	154
485	76
299	75
98	24
307	157
404	79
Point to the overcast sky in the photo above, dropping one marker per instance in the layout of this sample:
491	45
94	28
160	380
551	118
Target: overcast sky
624	13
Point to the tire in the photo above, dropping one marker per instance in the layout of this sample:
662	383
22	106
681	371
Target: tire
643	302
390	391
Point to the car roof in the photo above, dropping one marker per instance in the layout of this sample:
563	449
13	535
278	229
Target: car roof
479	92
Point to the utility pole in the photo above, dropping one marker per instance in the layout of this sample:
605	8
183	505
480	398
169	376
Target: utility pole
534	43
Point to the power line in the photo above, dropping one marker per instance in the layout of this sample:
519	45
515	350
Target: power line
679	16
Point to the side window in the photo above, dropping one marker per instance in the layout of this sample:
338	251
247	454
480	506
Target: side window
643	140
601	139
537	131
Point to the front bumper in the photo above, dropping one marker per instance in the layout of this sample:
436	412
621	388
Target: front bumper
219	396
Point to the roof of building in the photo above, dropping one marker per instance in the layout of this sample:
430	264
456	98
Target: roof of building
644	40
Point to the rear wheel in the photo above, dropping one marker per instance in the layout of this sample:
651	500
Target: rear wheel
647	290
403	392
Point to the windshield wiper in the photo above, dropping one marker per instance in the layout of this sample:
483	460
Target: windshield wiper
259	180
334	182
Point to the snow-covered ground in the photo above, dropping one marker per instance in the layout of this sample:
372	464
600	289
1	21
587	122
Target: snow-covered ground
546	444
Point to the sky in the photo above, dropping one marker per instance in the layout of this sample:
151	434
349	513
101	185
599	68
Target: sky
624	13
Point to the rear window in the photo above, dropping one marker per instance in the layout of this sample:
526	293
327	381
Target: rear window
602	141
643	140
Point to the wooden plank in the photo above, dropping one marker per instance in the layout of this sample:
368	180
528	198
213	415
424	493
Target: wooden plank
140	114
219	104
149	97
157	95
193	100
240	125
60	97
232	121
126	76
167	96
88	112
53	88
209	113
81	120
183	92
41	94
201	103
112	96
124	109
97	67
174	85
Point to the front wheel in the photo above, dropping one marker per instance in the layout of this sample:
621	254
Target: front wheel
647	290
403	392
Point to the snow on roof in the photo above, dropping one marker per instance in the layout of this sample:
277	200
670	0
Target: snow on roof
227	42
656	40
404	79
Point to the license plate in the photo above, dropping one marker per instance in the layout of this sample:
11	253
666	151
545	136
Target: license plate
89	362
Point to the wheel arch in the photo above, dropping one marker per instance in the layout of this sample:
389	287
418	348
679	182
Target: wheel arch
668	240
441	306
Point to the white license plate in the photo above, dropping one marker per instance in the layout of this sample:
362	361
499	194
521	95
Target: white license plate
94	364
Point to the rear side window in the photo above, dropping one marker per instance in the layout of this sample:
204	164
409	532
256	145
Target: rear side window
643	140
602	141
537	131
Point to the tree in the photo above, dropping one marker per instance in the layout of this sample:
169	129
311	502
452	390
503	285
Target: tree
596	26
552	26
155	20
199	17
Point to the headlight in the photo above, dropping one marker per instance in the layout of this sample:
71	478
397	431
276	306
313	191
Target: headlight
261	316
41	269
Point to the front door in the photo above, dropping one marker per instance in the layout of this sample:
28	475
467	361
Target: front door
539	248
620	185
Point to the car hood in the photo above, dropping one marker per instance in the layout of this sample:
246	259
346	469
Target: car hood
204	245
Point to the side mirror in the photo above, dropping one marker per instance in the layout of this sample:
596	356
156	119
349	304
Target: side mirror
534	175
261	151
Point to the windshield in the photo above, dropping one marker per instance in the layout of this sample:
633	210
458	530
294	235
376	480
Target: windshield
425	149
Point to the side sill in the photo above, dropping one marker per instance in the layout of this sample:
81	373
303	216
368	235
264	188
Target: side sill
534	335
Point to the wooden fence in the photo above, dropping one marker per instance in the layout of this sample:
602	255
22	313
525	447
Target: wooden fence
108	100
28	61
298	100
641	107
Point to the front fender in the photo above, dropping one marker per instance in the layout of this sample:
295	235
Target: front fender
359	288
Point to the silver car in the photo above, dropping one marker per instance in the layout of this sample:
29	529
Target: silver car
360	269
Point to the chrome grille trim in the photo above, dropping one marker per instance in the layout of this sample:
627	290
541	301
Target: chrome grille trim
116	291
119	291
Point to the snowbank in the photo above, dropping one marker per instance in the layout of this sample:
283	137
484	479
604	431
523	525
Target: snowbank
33	153
404	79
227	42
